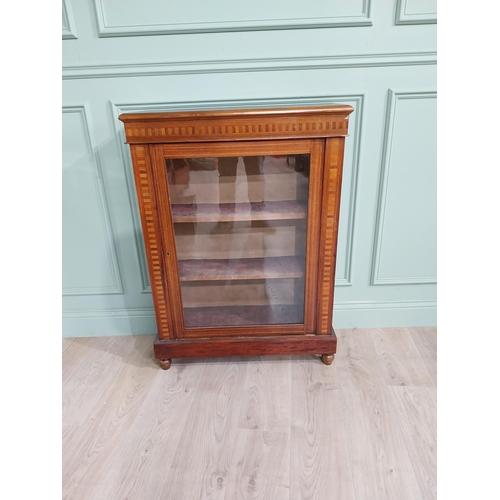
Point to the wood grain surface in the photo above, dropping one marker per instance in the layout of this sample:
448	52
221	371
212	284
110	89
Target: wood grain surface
424	338
170	149
237	125
281	428
182	270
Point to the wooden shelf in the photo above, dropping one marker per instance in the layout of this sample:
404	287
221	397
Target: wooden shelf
227	212
241	269
243	315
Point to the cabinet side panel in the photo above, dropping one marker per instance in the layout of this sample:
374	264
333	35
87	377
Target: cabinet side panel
332	182
149	219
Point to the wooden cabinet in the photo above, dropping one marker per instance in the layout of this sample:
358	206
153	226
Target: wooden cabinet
240	213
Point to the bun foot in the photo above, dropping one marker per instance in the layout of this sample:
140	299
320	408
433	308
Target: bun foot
327	358
165	363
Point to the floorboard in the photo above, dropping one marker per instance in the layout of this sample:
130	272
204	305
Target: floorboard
281	428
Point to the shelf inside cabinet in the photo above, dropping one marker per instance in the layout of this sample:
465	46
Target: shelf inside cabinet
228	212
243	315
241	269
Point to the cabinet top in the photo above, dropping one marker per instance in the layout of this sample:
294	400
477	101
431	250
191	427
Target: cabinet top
236	124
229	113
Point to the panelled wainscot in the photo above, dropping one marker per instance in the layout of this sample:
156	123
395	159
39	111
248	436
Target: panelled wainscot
240	212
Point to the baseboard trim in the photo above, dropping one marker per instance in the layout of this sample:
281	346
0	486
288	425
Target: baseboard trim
385	314
368	314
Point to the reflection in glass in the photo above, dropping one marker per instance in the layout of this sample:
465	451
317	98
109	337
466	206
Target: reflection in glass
240	232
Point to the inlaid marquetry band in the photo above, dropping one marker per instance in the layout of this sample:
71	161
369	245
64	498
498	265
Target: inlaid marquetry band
331	195
260	127
145	196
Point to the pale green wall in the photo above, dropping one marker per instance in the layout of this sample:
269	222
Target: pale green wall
378	56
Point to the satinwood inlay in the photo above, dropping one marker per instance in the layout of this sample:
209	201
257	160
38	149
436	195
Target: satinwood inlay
151	238
247	125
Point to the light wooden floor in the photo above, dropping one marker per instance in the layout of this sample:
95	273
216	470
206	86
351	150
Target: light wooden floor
252	428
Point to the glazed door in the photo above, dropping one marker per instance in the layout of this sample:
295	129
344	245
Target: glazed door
240	224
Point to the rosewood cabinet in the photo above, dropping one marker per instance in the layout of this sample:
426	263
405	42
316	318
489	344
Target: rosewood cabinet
240	212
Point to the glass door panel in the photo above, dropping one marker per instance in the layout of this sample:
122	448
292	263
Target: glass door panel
240	227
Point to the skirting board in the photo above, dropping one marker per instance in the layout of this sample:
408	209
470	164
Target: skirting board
353	315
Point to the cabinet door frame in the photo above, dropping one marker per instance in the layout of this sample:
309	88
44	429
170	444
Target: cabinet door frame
316	149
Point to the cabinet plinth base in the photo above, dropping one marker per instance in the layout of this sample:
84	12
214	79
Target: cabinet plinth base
165	350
